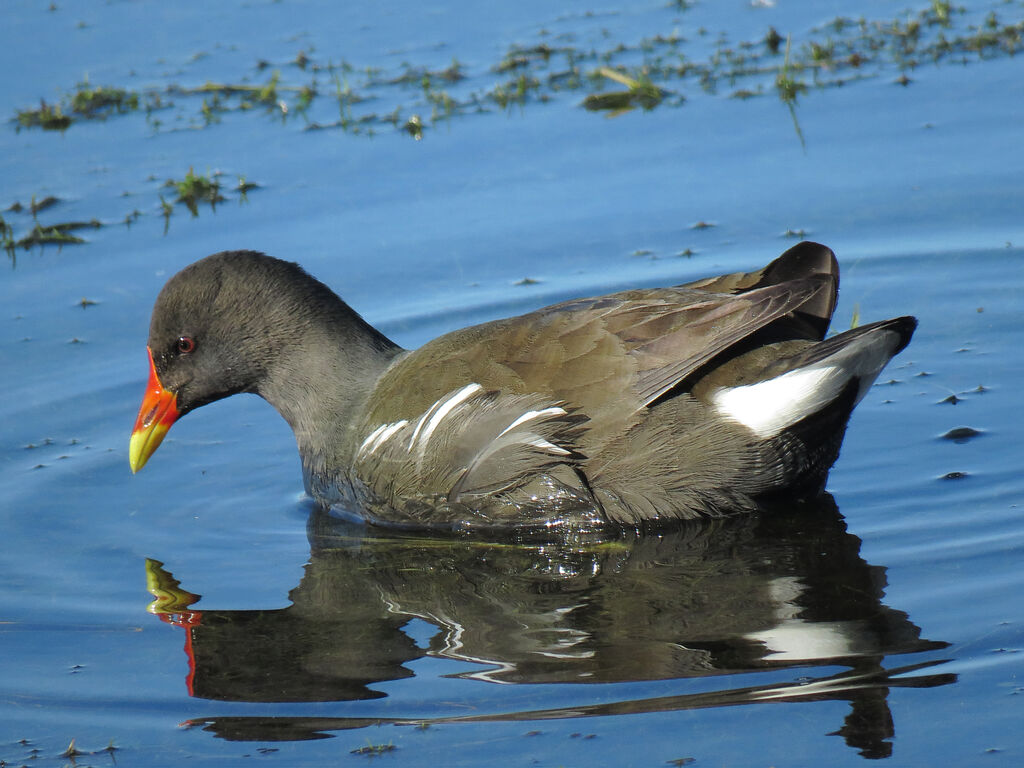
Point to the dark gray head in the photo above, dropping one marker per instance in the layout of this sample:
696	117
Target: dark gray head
241	321
221	322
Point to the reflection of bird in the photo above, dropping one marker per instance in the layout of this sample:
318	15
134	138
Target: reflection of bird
724	599
659	403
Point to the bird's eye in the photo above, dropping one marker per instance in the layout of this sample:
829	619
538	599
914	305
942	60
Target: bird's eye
186	344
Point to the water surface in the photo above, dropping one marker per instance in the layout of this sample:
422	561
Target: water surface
885	625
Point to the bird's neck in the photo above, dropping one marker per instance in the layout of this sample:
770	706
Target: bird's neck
320	382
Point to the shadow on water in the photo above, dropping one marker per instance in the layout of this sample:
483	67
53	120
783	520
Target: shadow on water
778	591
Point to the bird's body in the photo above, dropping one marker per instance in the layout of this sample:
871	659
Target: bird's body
640	406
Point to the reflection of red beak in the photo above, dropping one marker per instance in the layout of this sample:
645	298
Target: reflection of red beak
158	411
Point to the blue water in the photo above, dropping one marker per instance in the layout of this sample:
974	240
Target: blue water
633	653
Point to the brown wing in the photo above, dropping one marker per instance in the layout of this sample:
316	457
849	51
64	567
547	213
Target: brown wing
609	356
804	259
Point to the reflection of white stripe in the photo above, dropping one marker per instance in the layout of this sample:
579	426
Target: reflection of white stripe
443	410
830	686
799	640
531	415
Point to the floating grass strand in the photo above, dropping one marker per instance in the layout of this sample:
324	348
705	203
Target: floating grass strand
7	238
789	88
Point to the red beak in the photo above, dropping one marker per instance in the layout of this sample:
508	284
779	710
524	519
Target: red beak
158	411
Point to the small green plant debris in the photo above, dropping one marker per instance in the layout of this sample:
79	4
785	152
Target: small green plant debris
195	189
786	83
789	88
641	93
56	234
86	102
97	102
72	751
941	11
514	91
374	750
244	187
41	205
166	209
49	117
7	237
414	127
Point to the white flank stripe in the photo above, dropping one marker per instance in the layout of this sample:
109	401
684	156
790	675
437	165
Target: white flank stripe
376	438
546	445
770	406
443	410
531	415
387	433
371	437
423	420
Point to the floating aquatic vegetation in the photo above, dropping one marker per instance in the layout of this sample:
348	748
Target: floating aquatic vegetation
191	191
41	205
641	92
599	74
59	234
7	237
414	127
195	189
96	102
56	234
789	87
658	66
961	434
49	117
374	750
85	102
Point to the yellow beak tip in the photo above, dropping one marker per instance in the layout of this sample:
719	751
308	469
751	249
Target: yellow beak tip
143	444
